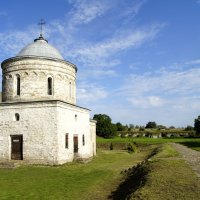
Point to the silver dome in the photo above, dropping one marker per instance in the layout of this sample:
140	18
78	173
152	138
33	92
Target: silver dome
40	48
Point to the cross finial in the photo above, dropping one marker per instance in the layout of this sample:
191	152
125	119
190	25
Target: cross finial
41	23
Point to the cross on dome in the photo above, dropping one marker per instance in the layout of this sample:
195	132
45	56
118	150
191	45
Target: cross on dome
41	23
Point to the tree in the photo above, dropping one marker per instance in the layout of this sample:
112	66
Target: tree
171	127
151	125
137	127
161	127
120	127
197	125
141	128
104	126
189	128
131	126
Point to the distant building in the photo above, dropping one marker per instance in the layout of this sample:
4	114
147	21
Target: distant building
39	119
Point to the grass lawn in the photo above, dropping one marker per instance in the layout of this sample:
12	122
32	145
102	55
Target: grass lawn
169	178
94	180
193	143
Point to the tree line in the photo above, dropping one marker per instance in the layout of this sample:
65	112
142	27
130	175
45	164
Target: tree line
105	128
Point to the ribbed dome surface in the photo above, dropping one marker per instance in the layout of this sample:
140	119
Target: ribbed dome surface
40	48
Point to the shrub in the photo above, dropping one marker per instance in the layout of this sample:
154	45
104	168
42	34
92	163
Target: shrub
131	147
111	146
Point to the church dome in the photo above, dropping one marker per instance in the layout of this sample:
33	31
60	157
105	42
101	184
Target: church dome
40	48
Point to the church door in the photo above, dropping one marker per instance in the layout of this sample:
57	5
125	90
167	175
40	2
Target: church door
75	144
16	147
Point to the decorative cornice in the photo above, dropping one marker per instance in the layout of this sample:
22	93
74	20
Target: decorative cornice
17	58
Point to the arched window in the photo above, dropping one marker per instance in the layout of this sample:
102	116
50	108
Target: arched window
17	116
18	85
49	83
70	90
83	140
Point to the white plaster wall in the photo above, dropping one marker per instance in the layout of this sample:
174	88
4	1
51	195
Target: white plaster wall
44	126
74	121
33	79
93	136
37	124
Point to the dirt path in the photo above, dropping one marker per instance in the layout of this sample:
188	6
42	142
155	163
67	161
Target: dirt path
192	157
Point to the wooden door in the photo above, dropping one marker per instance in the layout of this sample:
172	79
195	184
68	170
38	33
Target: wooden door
17	147
75	144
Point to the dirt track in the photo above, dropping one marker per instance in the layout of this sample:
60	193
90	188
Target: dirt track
192	157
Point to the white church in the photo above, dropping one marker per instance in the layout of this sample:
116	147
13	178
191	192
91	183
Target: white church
40	122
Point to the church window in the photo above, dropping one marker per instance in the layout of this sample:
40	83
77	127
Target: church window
83	140
18	85
49	86
66	141
70	90
17	116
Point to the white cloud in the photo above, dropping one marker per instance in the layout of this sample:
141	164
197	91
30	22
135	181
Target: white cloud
172	88
84	12
169	82
87	93
59	32
13	41
133	8
96	74
101	52
193	62
146	101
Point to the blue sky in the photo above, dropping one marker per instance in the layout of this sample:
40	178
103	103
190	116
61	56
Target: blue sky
138	60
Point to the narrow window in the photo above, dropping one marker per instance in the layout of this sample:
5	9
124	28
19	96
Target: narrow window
49	86
70	90
66	141
83	140
18	85
17	116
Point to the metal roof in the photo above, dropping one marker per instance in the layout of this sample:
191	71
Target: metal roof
40	48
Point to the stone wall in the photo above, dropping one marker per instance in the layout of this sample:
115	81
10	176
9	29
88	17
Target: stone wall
44	125
74	121
93	136
37	124
34	74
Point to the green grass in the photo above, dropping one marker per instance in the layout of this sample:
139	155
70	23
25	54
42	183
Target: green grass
145	140
166	151
193	143
94	180
169	177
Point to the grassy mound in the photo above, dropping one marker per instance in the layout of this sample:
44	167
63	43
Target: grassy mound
169	177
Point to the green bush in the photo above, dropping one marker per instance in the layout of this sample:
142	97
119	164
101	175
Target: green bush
111	146
131	147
